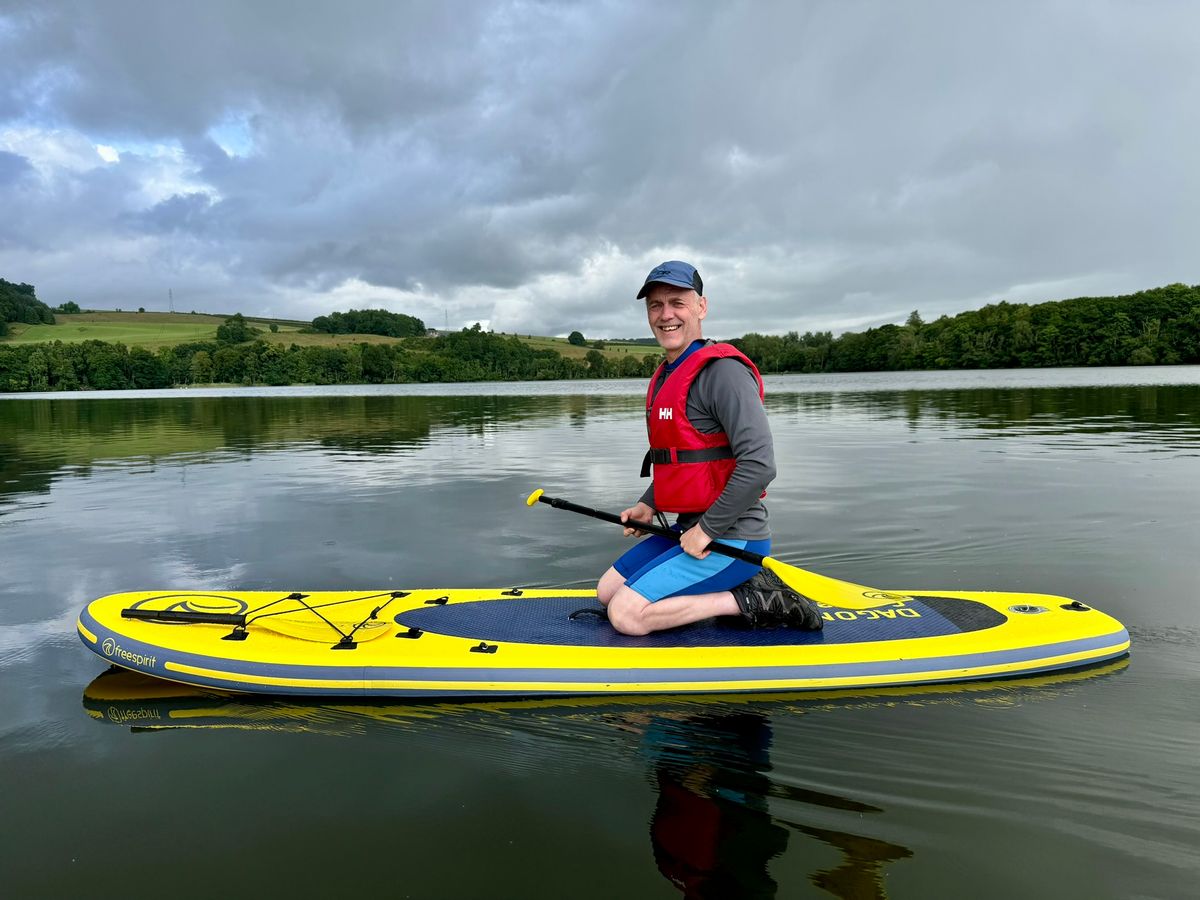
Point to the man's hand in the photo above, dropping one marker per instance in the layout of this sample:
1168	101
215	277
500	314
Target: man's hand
639	513
695	542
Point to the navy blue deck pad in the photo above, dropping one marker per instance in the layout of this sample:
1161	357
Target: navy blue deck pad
545	620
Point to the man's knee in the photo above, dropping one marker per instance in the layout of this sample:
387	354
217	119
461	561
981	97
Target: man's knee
627	623
625	613
610	582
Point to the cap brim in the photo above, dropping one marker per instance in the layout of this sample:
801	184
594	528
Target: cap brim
671	281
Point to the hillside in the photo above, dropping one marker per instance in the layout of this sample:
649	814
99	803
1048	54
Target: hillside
150	330
153	330
611	349
119	350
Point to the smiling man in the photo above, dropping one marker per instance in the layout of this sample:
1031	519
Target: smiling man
712	458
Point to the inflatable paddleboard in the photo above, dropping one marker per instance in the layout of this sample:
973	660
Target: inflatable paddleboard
532	643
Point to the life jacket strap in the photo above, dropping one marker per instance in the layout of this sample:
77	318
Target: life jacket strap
670	456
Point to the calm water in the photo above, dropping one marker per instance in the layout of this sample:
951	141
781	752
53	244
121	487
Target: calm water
1083	482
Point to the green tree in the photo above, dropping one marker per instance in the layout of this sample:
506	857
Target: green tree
352	366
235	330
227	365
106	365
597	364
576	339
38	371
378	363
370	321
19	303
275	366
201	368
630	366
146	370
63	376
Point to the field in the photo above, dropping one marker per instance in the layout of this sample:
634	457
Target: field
157	329
286	338
150	330
612	349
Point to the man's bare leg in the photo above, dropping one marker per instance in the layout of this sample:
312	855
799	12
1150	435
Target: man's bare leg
631	613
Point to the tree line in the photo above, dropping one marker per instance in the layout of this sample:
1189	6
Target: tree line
469	355
1157	326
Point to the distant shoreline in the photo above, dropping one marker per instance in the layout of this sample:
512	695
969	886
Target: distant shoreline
1157	327
778	385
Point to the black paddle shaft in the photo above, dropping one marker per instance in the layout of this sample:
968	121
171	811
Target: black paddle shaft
715	546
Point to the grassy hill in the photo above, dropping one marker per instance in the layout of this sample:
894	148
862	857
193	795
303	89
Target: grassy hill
611	349
159	329
150	330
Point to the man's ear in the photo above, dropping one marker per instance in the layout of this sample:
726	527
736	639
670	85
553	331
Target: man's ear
703	306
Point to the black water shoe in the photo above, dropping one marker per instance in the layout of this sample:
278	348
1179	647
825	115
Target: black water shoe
765	601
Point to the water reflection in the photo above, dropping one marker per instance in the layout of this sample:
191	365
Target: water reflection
712	832
42	440
1165	414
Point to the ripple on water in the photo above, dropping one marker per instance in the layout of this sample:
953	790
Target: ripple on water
1179	636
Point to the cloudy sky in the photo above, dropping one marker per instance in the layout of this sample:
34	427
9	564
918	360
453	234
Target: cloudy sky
827	165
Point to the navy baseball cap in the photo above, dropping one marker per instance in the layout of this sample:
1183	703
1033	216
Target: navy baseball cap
675	272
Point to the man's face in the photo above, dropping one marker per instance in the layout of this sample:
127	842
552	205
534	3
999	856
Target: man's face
675	314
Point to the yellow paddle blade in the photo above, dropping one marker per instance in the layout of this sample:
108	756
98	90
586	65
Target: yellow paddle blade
831	591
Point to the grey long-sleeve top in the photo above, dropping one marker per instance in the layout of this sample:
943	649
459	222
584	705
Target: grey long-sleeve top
724	397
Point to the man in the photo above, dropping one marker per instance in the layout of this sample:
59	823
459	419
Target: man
712	458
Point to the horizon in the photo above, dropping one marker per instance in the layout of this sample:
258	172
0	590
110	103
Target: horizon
626	339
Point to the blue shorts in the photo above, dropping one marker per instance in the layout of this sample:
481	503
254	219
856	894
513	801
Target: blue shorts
658	568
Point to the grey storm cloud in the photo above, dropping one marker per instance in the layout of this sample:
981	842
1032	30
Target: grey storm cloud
828	165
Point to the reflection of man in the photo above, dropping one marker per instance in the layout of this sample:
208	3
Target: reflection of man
712	457
711	833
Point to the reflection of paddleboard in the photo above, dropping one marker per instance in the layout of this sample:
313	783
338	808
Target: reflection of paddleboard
462	643
121	697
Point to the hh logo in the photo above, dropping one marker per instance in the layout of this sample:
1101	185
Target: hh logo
664	412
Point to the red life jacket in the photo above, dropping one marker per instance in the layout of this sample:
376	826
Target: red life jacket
690	468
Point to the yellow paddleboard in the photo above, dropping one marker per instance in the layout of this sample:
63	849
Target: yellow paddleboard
497	643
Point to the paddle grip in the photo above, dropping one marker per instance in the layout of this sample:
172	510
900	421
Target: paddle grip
650	528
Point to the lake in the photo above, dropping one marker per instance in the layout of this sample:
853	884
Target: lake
1082	482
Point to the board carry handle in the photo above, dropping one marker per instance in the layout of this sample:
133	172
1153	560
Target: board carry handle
183	615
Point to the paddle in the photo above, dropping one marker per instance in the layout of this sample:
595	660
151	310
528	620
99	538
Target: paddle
821	588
